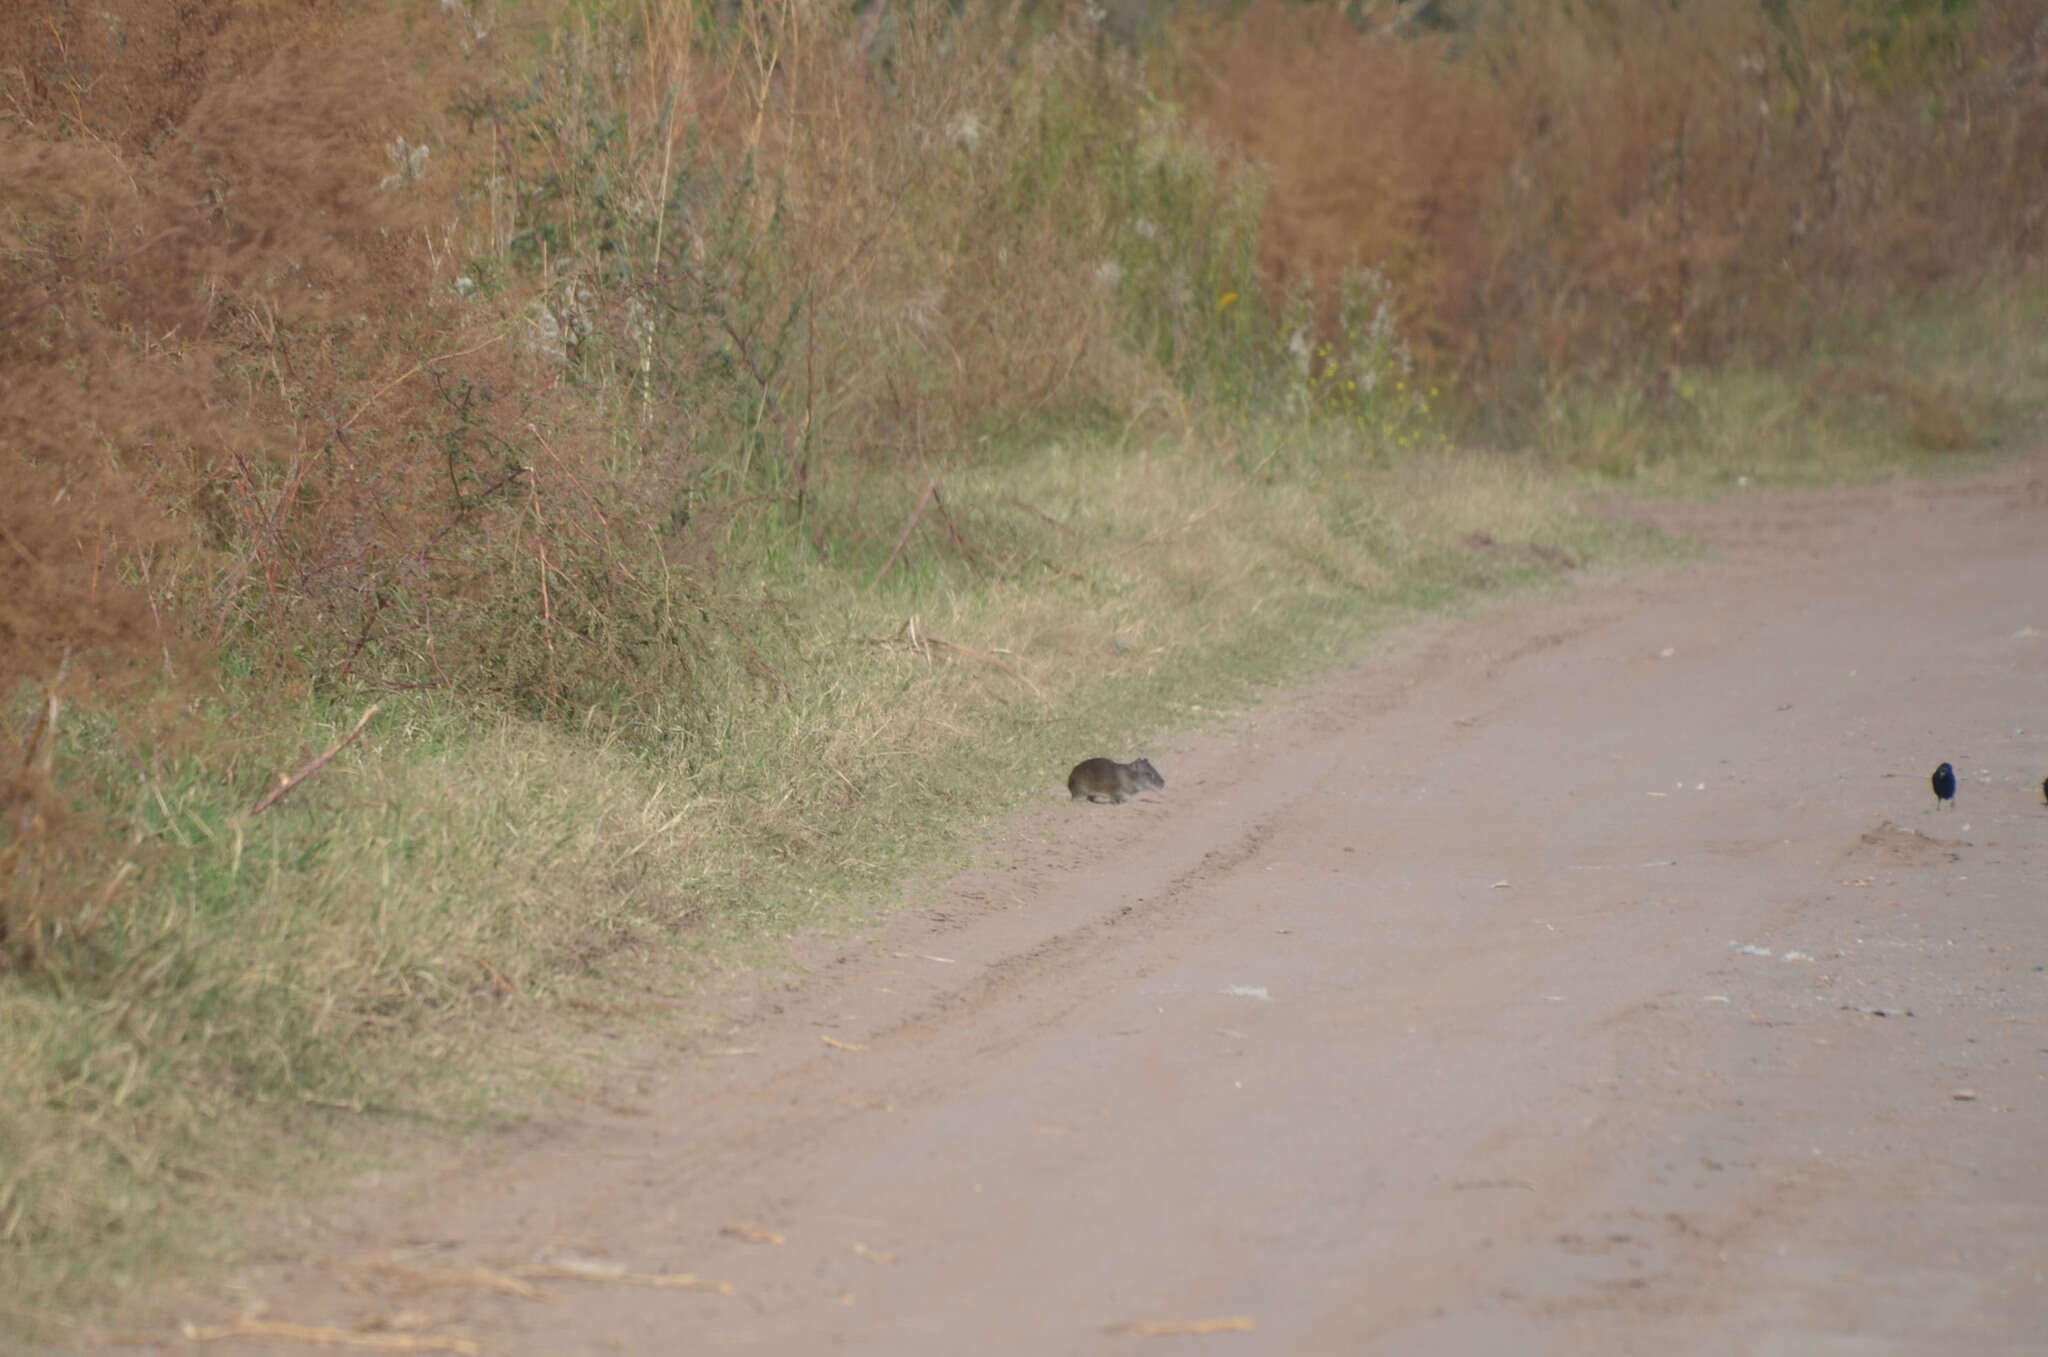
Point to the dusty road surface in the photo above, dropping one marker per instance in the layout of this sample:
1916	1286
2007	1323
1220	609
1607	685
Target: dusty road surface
1596	975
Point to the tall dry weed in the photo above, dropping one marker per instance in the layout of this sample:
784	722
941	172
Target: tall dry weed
1696	181
876	240
1380	151
1570	192
225	426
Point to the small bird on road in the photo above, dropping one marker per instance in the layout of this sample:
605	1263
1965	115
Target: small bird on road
2044	789
1945	785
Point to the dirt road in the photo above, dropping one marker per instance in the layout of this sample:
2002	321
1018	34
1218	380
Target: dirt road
1596	975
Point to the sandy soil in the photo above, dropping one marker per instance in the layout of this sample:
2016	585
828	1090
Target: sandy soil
1595	975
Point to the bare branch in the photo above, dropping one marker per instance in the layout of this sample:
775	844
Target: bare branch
931	488
285	784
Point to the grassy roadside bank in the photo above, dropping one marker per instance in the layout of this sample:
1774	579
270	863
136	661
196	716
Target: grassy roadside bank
418	935
431	933
748	456
1942	387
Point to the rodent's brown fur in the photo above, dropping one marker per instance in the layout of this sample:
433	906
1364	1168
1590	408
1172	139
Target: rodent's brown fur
1110	781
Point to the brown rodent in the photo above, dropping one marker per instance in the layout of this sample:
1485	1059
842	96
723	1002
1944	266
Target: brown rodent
1108	780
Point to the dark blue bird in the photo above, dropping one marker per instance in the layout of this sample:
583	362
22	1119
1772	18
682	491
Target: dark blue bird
1944	785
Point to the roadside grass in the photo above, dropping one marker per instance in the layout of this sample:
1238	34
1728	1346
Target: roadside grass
420	932
1944	387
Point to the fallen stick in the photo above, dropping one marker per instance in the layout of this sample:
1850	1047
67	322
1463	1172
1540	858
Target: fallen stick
604	1272
340	1338
497	978
931	488
285	784
1160	1328
90	920
1033	508
478	1277
986	658
967	553
922	642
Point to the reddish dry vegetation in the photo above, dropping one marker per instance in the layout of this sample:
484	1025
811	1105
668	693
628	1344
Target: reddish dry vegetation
1643	183
209	431
197	253
1376	153
247	408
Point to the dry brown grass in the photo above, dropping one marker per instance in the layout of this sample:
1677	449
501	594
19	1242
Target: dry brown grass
1574	192
302	420
1379	151
247	419
894	223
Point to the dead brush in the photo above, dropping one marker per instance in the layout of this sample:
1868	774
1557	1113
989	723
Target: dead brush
894	229
1699	181
1379	151
1932	412
1618	192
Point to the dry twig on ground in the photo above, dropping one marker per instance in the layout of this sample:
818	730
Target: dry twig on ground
312	766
